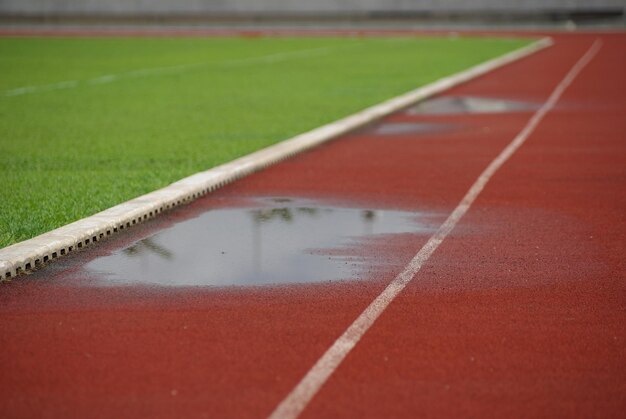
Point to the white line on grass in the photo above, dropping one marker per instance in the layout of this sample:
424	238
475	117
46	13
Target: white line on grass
297	400
158	71
177	69
281	56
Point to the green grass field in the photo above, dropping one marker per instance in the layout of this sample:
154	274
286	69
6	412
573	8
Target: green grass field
88	123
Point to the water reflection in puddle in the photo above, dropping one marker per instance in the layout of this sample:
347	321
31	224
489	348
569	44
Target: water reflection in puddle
408	128
278	241
469	104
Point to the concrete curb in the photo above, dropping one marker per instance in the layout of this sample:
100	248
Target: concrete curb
35	252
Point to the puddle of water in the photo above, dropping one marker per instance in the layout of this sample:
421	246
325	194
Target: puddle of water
277	241
469	104
404	128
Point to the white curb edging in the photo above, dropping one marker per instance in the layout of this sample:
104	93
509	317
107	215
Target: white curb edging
32	253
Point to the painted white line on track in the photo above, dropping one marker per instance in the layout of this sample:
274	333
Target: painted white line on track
297	400
31	253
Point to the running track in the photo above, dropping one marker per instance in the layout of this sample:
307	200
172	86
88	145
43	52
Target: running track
519	312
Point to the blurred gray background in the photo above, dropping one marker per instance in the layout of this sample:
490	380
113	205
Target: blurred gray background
308	8
462	14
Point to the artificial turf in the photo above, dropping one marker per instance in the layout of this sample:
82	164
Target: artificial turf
88	123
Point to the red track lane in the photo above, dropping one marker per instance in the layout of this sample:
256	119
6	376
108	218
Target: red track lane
520	312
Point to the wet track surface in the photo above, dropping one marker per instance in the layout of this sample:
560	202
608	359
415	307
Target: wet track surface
411	128
449	105
268	241
520	312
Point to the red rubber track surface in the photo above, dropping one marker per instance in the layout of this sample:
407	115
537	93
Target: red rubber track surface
520	312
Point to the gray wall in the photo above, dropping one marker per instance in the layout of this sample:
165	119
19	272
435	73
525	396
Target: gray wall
260	7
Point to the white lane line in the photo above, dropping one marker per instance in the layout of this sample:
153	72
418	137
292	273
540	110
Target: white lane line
297	400
157	71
